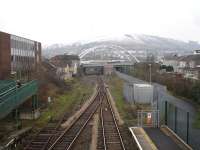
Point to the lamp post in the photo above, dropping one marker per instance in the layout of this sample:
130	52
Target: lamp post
150	73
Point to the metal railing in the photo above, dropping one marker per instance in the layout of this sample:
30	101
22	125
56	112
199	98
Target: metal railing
6	85
17	96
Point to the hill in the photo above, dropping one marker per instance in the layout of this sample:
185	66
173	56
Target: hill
139	42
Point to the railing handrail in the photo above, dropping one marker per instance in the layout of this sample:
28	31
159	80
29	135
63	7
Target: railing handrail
16	89
6	92
16	97
7	85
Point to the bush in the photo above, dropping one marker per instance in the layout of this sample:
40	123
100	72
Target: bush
176	84
195	93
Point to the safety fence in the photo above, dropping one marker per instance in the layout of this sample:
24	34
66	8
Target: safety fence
180	120
177	114
17	96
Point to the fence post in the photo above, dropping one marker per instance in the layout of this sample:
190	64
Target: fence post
138	118
37	102
165	112
188	117
34	102
158	121
17	118
141	119
175	120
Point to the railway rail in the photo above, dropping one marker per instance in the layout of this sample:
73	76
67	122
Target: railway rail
42	139
68	137
110	136
54	138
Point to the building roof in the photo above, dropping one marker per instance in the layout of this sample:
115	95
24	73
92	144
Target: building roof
63	60
192	69
20	37
197	51
171	57
188	58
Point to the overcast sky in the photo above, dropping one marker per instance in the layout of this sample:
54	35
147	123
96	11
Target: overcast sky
65	21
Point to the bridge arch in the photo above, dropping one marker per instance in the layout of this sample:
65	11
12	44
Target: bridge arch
115	48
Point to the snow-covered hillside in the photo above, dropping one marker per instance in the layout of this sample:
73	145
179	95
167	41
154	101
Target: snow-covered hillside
135	42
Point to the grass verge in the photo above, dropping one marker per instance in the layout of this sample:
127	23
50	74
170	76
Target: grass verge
66	102
127	111
196	123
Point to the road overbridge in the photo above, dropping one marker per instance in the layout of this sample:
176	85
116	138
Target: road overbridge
97	68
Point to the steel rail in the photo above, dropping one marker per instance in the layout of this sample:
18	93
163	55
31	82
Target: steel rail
45	147
103	130
115	122
49	138
46	144
52	133
81	129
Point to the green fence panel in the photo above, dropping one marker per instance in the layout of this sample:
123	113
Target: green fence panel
16	97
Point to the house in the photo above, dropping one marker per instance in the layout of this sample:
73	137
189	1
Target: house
64	72
171	60
196	52
192	73
189	61
190	66
66	66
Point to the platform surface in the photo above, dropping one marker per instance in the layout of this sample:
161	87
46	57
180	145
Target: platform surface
142	139
161	140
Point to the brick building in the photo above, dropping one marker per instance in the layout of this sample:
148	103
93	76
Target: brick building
19	57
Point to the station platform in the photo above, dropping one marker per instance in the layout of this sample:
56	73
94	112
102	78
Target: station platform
161	140
142	139
157	139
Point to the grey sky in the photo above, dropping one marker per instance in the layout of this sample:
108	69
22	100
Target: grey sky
64	21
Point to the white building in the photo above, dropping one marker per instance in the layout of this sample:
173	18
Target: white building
171	61
190	66
143	93
66	65
196	52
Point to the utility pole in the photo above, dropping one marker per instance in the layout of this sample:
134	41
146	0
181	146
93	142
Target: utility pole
150	73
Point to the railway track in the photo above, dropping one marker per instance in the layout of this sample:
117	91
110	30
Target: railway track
55	138
109	133
66	140
41	140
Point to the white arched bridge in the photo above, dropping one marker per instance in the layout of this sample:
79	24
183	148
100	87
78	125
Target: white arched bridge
108	52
